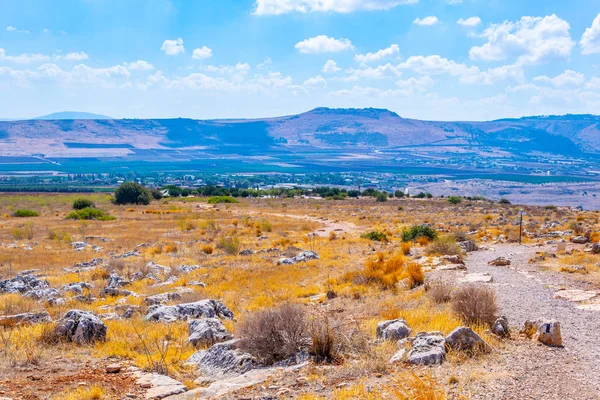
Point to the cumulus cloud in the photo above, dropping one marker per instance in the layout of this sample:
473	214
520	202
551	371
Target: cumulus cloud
469	22
323	44
277	7
380	72
590	41
139	65
330	67
566	79
531	40
202	53
27	58
317	82
427	21
76	56
393	50
173	47
11	28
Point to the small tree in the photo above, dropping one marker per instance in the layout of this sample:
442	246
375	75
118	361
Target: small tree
80	204
399	194
381	197
132	193
454	200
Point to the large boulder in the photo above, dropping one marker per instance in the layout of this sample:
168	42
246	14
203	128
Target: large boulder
579	240
428	348
22	283
546	331
47	294
206	332
198	309
500	262
81	327
465	339
395	329
223	359
500	327
468	246
25	318
114	285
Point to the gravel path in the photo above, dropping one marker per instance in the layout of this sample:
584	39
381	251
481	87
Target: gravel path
537	371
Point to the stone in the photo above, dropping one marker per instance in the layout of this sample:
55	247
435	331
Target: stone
477	278
579	240
596	248
454	259
47	294
113	368
468	246
500	327
159	386
223	359
246	252
199	309
428	348
188	268
76	288
162	298
395	329
575	295
500	262
113	287
302	257
81	327
452	267
546	331
22	283
206	332
465	339
25	318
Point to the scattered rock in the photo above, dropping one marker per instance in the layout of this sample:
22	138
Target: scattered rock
575	295
113	288
452	267
22	283
468	246
188	268
596	248
81	327
76	288
546	331
500	327
465	339
302	257
113	368
395	329
500	262
25	318
159	386
162	298
579	240
247	252
199	309
223	359
477	278
427	348
454	259
206	332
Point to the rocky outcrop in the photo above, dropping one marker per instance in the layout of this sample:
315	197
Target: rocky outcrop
23	283
158	386
465	339
302	257
596	248
500	262
25	318
500	327
579	240
206	332
468	246
163	298
546	331
81	327
114	285
395	329
428	348
199	309
76	288
223	359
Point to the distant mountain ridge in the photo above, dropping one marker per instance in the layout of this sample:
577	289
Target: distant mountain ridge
321	128
72	115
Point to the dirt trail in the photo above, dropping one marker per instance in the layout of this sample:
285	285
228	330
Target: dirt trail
327	225
535	371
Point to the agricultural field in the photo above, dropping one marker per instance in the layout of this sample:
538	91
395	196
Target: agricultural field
296	298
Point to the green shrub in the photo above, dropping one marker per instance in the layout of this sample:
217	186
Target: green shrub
26	213
80	204
90	213
375	236
504	201
156	194
221	199
399	194
445	246
416	231
132	193
382	197
454	200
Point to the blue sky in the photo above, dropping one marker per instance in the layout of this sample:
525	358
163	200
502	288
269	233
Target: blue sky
427	59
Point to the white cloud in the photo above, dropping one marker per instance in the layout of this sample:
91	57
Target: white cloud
594	83
317	82
239	68
330	67
139	65
379	55
202	53
265	64
590	41
454	1
566	79
24	58
173	47
379	72
323	44
76	56
418	84
277	7
470	22
427	21
493	75
11	28
531	40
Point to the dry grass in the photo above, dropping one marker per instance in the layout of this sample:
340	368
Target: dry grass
475	305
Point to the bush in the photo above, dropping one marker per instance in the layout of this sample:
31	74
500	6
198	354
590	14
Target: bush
26	213
504	201
80	204
221	199
381	197
399	194
417	231
415	275
454	200
276	334
156	194
132	193
323	345
230	245
385	273
445	246
375	236
440	291
89	214
475	305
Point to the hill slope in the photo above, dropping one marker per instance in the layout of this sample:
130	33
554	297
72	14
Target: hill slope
73	115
